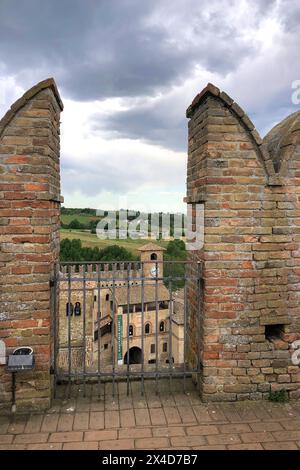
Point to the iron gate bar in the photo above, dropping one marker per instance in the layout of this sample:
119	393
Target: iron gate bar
133	373
170	335
142	329
84	329
55	321
69	326
128	329
184	333
156	328
113	329
98	326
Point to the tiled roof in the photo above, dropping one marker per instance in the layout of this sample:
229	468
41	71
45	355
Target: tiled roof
135	294
151	247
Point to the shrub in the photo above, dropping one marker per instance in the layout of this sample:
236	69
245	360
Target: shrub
279	396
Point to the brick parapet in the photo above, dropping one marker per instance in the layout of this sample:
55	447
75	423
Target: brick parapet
29	235
250	253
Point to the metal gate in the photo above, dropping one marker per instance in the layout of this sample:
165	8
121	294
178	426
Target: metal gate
126	321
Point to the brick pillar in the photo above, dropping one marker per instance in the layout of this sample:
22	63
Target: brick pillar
29	236
250	189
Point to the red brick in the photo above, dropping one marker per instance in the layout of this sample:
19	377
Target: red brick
189	441
36	438
172	415
157	416
112	419
6	439
170	431
250	446
257	437
96	420
234	428
226	439
81	421
142	417
152	443
35	187
12	447
81	446
127	418
186	414
201	430
50	423
122	444
134	433
74	436
272	426
65	422
44	446
104	435
286	435
280	446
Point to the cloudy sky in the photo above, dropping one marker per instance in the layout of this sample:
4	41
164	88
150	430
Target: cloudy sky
128	69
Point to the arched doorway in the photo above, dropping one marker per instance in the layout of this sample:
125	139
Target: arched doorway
135	356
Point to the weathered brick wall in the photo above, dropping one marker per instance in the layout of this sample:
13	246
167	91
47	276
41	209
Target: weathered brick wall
29	235
250	189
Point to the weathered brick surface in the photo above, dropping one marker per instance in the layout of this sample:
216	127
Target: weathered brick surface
29	235
250	189
233	426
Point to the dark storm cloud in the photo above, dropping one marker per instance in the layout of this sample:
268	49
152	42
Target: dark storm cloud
149	123
98	49
106	48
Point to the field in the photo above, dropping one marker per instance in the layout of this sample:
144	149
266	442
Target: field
91	240
82	218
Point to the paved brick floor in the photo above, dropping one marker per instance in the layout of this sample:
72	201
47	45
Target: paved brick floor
156	421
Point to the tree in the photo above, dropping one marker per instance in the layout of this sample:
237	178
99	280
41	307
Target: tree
175	252
72	250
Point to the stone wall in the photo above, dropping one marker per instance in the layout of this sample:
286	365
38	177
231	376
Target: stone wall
250	189
29	236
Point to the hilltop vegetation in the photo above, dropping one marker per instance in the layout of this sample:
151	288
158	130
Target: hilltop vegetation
72	250
79	243
87	219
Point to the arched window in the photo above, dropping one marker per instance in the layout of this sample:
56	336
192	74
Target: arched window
147	328
69	309
107	297
153	256
162	326
130	330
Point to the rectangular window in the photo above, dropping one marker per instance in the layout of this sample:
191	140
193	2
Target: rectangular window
165	347
152	349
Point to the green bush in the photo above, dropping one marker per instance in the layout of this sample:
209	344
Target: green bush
175	252
280	396
72	250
